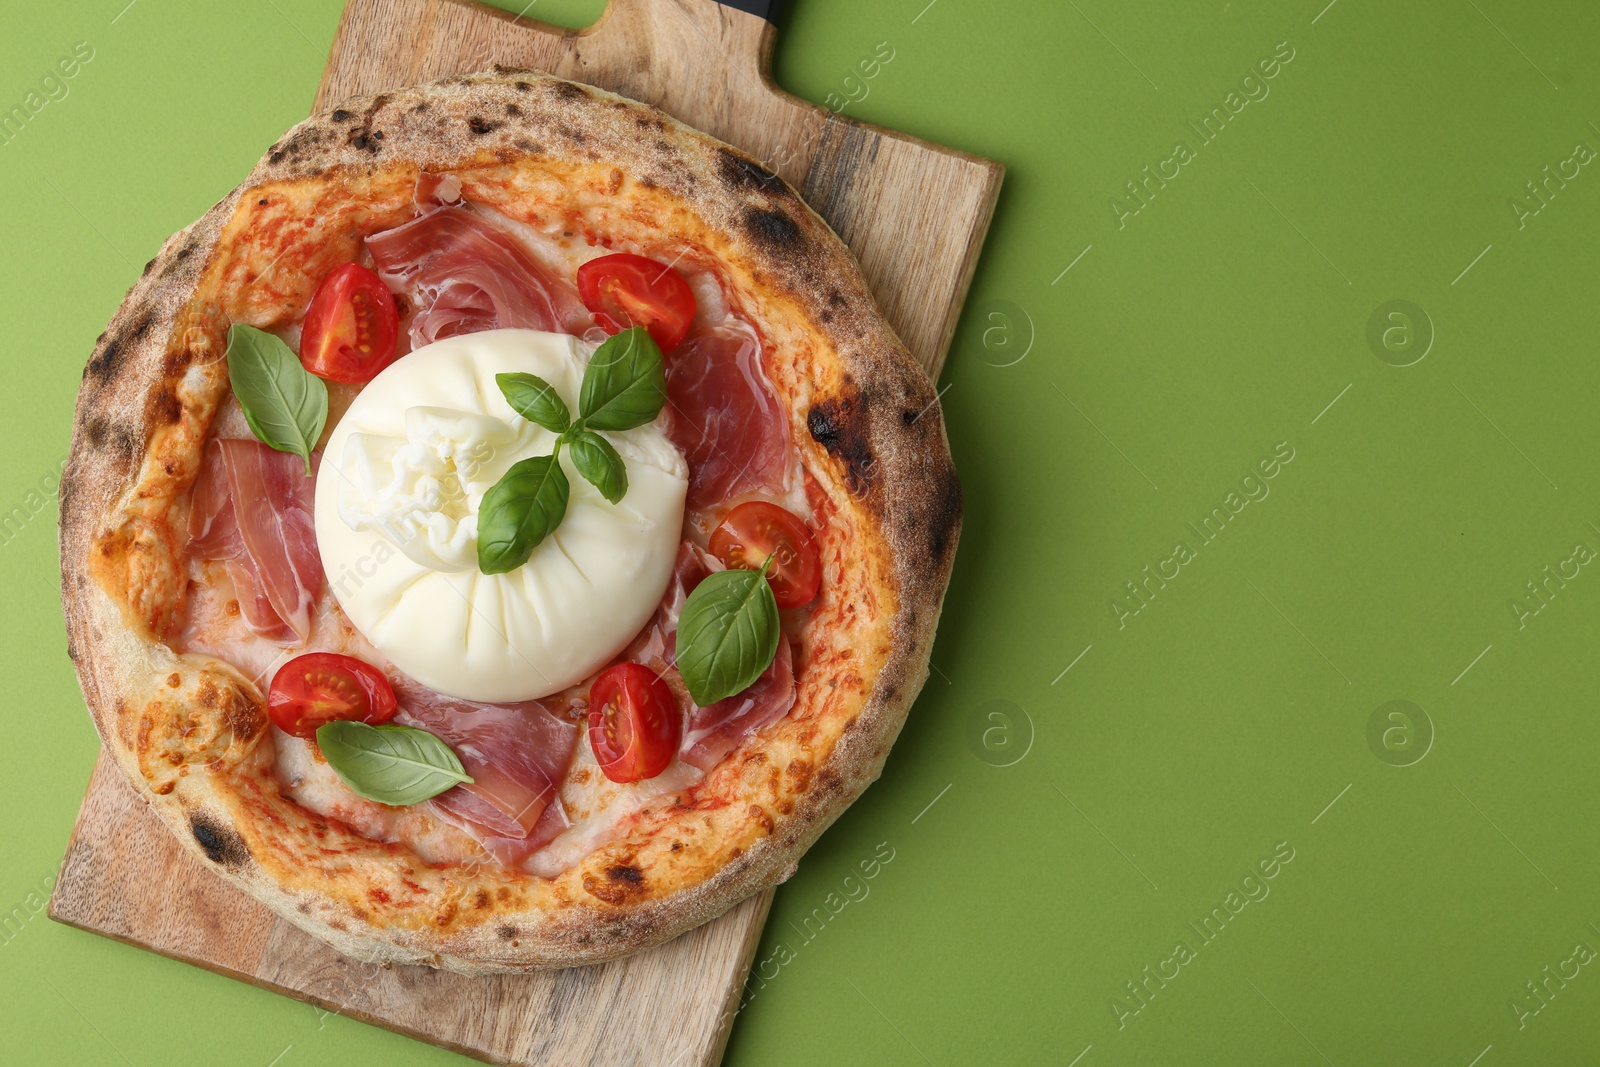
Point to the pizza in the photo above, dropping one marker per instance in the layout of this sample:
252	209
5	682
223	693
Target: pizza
503	533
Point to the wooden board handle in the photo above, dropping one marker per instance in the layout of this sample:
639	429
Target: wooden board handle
721	49
767	9
913	213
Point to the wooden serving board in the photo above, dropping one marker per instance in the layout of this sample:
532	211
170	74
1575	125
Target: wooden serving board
915	216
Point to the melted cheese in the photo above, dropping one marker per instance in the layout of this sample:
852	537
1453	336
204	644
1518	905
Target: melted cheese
599	808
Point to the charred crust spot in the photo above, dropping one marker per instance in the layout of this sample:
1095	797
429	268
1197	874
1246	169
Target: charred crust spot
506	933
140	327
799	773
566	91
743	173
103	434
836	299
104	364
364	138
944	516
524	87
108	362
262	202
840	426
575	136
147	267
220	844
773	230
622	882
531	147
163	406
480	125
177	361
481	901
341	115
242	716
514	111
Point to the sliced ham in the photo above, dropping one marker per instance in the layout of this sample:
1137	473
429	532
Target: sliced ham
255	605
723	416
655	646
464	275
434	190
511	851
719	728
213	531
251	508
518	755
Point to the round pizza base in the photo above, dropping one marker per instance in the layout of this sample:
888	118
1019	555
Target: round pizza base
191	732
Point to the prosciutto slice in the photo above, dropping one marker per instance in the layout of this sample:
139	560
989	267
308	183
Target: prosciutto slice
656	644
718	729
723	416
511	851
251	509
518	755
464	274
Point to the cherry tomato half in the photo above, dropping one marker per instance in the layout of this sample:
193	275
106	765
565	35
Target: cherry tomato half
755	530
626	290
634	725
351	327
319	687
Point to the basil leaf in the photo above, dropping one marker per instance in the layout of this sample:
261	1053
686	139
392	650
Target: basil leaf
519	511
625	384
597	461
727	635
535	400
396	765
285	404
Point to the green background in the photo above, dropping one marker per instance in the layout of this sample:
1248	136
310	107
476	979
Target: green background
1094	414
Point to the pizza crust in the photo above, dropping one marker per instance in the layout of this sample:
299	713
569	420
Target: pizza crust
190	731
